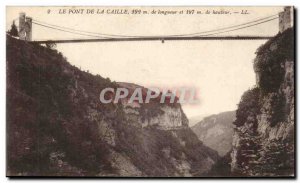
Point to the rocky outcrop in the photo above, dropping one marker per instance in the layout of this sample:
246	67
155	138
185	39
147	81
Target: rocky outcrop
166	116
263	141
172	118
216	131
58	126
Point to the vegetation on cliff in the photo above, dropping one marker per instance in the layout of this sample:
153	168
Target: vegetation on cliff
270	59
263	142
56	125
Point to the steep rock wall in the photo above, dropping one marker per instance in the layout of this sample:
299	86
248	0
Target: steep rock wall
263	140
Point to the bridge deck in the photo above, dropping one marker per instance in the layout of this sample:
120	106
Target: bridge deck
155	39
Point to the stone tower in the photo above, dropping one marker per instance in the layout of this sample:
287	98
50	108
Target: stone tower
22	20
28	28
25	27
286	18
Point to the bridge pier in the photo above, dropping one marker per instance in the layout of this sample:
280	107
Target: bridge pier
25	27
286	18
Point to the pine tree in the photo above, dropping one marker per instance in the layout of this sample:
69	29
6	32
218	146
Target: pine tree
14	30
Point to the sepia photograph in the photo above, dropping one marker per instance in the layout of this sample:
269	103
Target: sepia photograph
150	91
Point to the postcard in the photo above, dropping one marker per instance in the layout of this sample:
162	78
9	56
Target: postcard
151	91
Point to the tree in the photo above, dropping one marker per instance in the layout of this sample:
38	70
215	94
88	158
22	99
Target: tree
14	30
248	108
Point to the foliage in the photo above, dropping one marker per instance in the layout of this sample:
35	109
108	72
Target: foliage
269	63
222	167
277	112
13	30
248	108
44	118
256	153
278	158
145	147
53	116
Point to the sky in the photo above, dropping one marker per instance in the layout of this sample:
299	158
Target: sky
221	71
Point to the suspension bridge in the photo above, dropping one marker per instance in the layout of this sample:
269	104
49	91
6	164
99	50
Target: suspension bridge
25	31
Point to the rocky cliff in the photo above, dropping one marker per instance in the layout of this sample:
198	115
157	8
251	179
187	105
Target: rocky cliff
165	116
216	131
263	140
56	125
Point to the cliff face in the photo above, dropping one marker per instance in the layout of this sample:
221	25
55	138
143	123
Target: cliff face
57	125
166	116
216	131
263	141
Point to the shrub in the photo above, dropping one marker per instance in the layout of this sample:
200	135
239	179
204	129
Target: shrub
278	111
248	108
270	59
